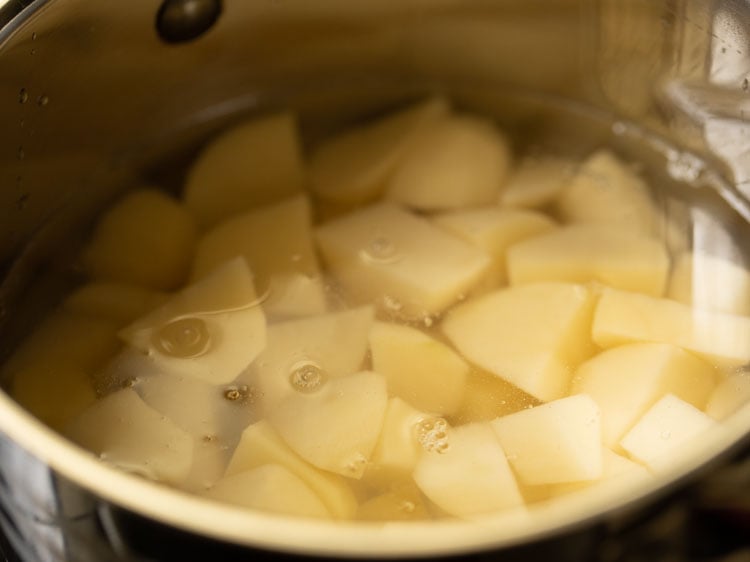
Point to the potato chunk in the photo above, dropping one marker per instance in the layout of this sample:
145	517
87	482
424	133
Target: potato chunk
556	442
127	433
210	331
270	488
532	336
335	426
402	503
616	469
624	317
536	182
276	241
117	302
669	426
146	239
423	371
582	253
254	163
457	162
383	250
261	445
627	380
472	476
487	396
730	395
353	167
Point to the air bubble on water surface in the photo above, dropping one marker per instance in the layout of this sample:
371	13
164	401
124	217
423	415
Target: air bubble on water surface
380	250
238	393
178	21
432	435
23	96
183	338
307	377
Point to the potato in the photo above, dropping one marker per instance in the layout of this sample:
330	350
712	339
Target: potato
335	426
261	445
616	469
487	396
211	330
533	336
403	503
710	282
624	317
536	182
730	395
472	476
556	442
581	253
605	190
494	230
256	162
146	239
276	241
120	303
127	433
270	488
384	251
457	162
354	166
668	427
332	344
425	372
627	380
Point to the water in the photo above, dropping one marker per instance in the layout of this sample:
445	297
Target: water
183	338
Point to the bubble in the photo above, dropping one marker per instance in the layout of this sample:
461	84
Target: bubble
241	393
665	434
407	506
42	100
307	377
184	20
428	321
186	337
619	128
745	85
392	304
356	465
432	435
23	96
20	153
380	250
684	166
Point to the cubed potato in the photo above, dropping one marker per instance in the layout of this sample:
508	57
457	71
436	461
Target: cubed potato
276	241
210	457
625	317
494	230
256	162
117	302
605	190
385	251
472	476
487	396
130	435
403	503
581	253
627	380
730	395
333	344
560	441
335	426
354	166
425	372
536	182
533	336
710	282
269	488
261	445
459	161
146	239
211	330
666	429
616	469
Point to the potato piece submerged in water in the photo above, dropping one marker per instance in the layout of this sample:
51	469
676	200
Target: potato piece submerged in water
211	330
729	396
254	163
536	182
120	303
147	239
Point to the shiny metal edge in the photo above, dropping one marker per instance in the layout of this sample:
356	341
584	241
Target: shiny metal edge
13	13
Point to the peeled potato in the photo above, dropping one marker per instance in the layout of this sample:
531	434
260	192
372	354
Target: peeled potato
729	396
536	182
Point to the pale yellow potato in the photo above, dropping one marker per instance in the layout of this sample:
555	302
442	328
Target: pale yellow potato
591	252
354	166
425	372
472	476
729	396
624	317
616	469
334	344
261	445
605	190
147	239
533	336
130	435
487	396
556	442
270	488
257	162
210	457
276	241
668	427
336	426
710	282
120	303
627	380
402	503
536	182
494	230
384	251
457	162
211	330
